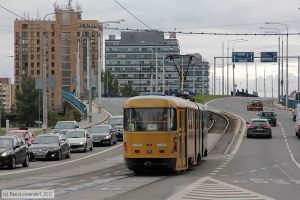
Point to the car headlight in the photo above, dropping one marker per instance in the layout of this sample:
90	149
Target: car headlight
4	154
107	137
81	143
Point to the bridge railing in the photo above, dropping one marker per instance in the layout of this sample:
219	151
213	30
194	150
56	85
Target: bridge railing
291	102
76	102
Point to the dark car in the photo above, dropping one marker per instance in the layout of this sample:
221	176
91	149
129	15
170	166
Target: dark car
13	151
64	126
269	115
117	125
103	134
259	127
255	104
28	136
54	146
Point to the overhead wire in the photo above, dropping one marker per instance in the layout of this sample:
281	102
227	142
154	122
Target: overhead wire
132	14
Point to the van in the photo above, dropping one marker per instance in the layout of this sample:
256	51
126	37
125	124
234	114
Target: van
117	125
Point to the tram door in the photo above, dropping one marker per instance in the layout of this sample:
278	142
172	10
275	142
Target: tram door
183	139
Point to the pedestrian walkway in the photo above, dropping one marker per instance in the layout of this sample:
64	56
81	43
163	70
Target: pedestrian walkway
98	116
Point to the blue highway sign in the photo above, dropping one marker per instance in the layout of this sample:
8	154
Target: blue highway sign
268	56
242	56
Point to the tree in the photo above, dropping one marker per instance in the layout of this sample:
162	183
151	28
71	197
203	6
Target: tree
27	102
127	91
111	86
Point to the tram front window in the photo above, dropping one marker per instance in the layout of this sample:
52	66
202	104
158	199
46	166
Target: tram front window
150	119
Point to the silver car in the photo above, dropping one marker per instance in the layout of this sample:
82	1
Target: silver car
64	126
103	134
80	140
117	125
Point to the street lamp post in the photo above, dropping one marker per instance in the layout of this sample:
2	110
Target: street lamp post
276	30
287	59
45	98
228	43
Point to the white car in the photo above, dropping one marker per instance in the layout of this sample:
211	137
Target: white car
295	111
80	140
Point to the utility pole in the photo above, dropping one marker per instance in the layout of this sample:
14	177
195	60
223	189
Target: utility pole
78	71
255	77
89	76
45	97
99	69
214	76
264	82
233	81
156	72
247	77
222	68
194	80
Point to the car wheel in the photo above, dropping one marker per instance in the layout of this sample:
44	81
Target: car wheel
248	136
26	162
298	136
270	136
85	148
92	147
69	154
13	163
59	155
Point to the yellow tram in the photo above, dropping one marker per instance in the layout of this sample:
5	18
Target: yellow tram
164	131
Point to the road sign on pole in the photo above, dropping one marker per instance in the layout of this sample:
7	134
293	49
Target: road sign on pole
268	56
242	56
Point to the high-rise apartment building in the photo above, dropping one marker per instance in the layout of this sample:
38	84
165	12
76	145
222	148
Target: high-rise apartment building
7	94
66	34
137	58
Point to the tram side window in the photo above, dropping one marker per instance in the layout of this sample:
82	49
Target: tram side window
150	119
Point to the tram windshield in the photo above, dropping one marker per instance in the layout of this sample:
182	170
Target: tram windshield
150	119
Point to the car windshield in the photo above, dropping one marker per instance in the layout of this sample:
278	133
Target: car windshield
99	129
150	119
45	140
267	114
259	123
75	134
64	125
116	121
15	133
5	142
256	102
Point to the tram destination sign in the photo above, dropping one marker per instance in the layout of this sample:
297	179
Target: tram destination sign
242	56
268	56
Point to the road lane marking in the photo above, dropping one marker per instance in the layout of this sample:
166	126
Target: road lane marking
290	152
252	170
59	164
209	188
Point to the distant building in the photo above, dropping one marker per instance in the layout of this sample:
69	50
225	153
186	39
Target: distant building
133	59
7	94
64	35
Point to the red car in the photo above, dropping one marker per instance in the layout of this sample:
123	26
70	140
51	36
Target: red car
27	135
255	104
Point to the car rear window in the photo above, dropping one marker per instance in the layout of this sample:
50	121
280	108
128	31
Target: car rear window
267	114
256	101
259	123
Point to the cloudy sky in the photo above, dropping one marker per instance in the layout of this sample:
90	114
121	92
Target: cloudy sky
221	16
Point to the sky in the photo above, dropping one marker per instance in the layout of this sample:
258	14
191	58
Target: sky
213	16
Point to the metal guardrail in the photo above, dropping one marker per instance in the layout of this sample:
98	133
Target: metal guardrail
291	102
76	102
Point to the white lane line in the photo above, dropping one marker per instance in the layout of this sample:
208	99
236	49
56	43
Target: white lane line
117	172
58	164
264	168
95	177
291	154
275	166
285	173
80	181
64	184
239	142
252	170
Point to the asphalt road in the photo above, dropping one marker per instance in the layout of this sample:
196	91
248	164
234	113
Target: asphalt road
266	166
261	169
